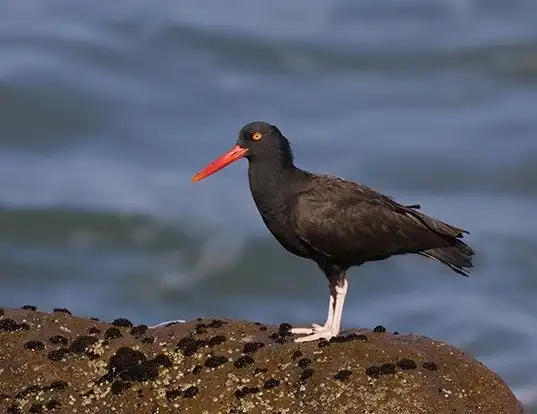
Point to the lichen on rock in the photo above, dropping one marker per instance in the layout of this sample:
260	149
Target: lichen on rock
56	361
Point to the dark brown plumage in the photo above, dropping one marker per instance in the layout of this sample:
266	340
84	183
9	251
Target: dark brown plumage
375	226
334	222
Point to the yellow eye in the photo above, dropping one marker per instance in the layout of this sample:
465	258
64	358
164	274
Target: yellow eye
256	136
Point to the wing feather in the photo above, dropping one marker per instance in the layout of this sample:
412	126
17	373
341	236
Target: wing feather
353	223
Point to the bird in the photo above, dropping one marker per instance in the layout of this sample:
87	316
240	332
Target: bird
334	222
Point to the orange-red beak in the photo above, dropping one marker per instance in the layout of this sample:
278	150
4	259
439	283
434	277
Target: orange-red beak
224	160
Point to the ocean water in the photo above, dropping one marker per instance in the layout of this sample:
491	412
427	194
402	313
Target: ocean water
107	110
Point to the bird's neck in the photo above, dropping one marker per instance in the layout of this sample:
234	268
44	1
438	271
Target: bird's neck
271	180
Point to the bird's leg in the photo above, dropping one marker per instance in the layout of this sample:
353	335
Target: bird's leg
338	286
341	287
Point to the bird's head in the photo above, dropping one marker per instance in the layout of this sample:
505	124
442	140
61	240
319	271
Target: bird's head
257	141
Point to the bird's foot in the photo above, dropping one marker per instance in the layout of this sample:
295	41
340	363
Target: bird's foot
314	333
314	328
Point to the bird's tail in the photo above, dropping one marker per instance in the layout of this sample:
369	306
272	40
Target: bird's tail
458	257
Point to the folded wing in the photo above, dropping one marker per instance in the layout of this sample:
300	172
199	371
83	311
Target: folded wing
351	224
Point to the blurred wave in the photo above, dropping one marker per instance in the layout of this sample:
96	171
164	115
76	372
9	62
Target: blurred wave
106	111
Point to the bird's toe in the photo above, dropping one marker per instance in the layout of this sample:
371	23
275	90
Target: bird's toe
302	331
314	333
315	328
327	334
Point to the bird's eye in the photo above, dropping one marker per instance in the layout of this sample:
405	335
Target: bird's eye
256	136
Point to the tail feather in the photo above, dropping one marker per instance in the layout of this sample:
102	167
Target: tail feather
439	226
458	257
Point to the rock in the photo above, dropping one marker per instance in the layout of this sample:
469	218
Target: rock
56	361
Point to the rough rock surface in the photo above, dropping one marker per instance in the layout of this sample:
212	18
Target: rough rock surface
55	362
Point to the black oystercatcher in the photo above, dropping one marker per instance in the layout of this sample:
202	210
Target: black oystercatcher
336	223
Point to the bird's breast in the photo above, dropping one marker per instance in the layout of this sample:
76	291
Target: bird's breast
276	218
285	236
271	190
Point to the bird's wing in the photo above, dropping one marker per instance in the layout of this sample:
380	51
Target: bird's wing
343	219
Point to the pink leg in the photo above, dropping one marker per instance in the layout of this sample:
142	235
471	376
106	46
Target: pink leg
338	290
